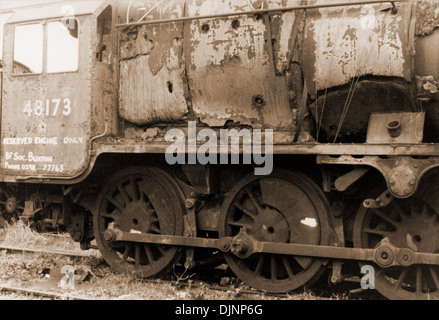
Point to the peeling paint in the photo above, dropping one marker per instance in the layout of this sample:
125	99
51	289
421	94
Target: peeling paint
427	16
248	69
344	43
229	64
427	57
152	70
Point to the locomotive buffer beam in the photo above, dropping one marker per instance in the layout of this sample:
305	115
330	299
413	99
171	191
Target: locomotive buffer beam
244	245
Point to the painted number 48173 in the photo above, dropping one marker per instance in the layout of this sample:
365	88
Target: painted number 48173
49	107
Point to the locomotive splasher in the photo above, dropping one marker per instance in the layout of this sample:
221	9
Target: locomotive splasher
90	89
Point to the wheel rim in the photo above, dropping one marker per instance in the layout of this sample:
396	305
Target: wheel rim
284	207
139	200
410	223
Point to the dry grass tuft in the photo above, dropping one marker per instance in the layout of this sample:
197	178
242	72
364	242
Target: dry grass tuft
20	235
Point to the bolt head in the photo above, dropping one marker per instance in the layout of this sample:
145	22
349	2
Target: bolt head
109	235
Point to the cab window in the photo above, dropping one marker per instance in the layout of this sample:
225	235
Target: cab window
62	46
28	49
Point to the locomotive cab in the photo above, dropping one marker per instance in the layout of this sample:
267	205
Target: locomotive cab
56	67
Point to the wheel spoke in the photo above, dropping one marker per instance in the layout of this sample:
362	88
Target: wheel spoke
248	226
162	249
137	255
377	232
273	265
134	189
107	215
398	209
419	279
242	209
434	276
413	210
126	252
115	203
124	193
253	199
154	229
149	253
288	267
261	260
385	217
401	278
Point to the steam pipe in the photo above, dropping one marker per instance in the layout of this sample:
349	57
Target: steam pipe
262	11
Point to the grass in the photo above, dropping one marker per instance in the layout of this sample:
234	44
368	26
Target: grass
103	283
20	235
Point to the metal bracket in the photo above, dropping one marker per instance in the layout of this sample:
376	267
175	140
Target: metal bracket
402	173
344	182
382	201
336	276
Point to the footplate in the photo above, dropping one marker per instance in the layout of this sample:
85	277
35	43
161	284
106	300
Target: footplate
244	245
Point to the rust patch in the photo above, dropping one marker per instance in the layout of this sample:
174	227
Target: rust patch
232	61
344	43
152	71
427	16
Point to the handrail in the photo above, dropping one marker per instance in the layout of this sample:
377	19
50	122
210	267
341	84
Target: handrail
263	11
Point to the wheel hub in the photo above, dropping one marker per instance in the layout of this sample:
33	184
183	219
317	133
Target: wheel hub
11	205
270	226
137	217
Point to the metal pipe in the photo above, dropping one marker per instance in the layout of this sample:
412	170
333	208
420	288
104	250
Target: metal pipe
258	12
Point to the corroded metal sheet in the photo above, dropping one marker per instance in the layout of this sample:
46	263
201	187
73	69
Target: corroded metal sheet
344	43
427	57
397	127
152	70
427	16
427	40
232	64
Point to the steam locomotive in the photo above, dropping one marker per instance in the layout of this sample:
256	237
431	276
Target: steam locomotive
286	137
